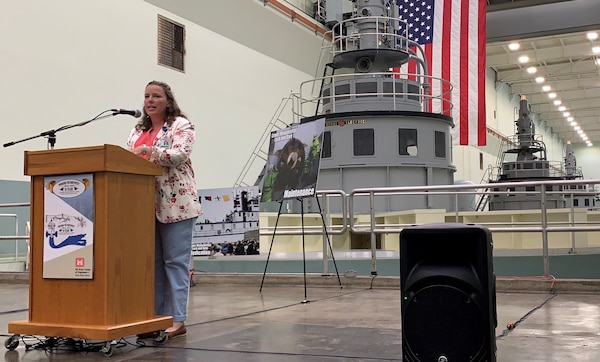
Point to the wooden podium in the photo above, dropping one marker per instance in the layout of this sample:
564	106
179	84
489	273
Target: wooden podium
118	300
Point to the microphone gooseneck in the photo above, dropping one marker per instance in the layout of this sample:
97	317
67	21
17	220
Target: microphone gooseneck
135	112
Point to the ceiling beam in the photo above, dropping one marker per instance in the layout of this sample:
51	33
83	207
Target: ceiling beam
543	20
570	69
548	54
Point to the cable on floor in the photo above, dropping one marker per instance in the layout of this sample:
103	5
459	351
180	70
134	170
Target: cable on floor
14	311
512	325
62	344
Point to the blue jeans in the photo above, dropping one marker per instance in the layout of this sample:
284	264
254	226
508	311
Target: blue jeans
172	268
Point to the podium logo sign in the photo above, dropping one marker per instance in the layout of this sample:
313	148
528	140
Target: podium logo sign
69	188
68	227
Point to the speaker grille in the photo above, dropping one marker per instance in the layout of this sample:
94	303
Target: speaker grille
448	293
440	320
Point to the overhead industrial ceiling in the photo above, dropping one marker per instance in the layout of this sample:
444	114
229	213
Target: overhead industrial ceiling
568	66
561	53
552	33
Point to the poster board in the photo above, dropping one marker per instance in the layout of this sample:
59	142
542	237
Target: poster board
69	226
293	163
229	222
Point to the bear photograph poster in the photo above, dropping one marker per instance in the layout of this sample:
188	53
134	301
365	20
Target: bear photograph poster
293	161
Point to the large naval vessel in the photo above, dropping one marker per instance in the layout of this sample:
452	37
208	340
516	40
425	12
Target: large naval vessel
383	128
524	158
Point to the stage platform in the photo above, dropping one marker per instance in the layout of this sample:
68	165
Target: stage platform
231	319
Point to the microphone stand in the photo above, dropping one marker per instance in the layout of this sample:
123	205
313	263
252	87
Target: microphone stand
51	134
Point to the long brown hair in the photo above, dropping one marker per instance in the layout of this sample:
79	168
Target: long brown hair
172	111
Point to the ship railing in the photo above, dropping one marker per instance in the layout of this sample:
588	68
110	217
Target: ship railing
435	98
572	173
531	168
531	139
576	173
387	33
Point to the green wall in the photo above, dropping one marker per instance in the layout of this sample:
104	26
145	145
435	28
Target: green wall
574	266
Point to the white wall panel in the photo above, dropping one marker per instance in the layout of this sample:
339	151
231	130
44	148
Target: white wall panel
65	61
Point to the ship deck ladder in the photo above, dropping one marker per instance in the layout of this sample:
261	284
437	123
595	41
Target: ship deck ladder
490	175
277	122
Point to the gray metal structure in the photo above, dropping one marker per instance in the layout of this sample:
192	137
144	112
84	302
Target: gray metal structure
577	195
524	159
383	128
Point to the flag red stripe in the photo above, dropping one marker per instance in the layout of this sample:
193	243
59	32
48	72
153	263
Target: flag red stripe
429	58
412	67
464	73
446	44
481	112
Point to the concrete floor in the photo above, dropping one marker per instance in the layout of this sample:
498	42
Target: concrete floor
230	319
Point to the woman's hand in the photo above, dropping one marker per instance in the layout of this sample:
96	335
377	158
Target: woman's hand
140	150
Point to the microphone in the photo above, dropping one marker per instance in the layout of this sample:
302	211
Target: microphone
135	112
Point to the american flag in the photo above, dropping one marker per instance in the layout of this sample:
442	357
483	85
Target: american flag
452	33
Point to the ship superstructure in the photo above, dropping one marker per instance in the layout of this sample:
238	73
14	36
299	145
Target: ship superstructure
384	127
524	159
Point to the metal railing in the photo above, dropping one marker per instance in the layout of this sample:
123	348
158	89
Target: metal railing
453	192
16	237
435	98
350	220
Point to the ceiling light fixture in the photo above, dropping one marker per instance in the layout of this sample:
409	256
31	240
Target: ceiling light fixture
523	59
592	35
514	46
563	109
557	102
540	79
595	50
566	114
531	70
552	95
546	88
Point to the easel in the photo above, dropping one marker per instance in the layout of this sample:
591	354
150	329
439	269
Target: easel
303	244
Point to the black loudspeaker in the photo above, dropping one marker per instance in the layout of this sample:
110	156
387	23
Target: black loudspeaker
448	298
